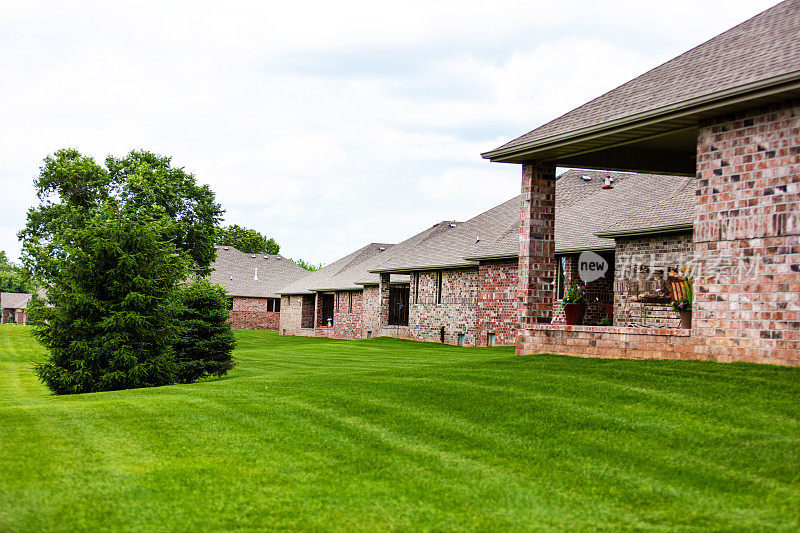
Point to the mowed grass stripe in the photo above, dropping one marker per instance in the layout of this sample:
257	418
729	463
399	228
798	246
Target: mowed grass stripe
384	434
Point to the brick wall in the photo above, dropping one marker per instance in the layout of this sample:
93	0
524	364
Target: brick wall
251	313
255	320
747	236
293	309
348	324
497	302
457	312
241	303
642	264
370	304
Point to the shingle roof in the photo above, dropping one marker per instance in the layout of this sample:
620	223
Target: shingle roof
762	48
322	278
583	208
236	271
14	300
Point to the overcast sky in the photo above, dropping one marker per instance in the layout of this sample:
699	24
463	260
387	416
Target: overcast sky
325	125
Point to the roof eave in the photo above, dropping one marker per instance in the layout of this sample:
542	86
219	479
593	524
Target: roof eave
638	232
406	269
751	92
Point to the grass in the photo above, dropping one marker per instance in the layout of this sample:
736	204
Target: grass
387	434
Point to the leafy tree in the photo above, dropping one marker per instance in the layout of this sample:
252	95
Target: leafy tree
308	266
204	345
12	281
111	322
246	240
73	189
14	278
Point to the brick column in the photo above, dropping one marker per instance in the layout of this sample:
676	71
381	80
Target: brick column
537	265
747	237
384	299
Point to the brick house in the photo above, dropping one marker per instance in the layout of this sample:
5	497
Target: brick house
14	305
252	281
726	115
456	282
345	299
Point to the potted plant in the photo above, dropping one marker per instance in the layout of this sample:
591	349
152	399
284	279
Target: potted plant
574	305
683	305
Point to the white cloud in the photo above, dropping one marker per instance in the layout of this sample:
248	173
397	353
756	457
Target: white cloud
325	125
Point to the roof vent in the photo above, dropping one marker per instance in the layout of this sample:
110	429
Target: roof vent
255	276
608	184
225	248
252	257
477	239
231	277
586	178
382	248
278	258
452	224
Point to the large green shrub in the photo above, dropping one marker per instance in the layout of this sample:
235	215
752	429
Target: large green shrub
204	345
110	320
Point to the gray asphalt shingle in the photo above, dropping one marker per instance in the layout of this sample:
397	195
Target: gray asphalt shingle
236	271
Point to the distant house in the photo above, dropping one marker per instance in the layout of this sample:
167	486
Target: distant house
252	281
14	306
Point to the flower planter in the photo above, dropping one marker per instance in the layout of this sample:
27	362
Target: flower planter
574	313
686	319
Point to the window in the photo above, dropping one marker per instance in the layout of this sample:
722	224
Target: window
289	300
560	268
338	297
439	287
273	305
350	302
416	287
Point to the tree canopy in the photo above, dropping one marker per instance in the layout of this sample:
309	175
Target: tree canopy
14	278
311	267
246	240
72	189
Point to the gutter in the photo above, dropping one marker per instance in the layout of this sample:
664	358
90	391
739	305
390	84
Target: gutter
674	228
403	270
739	94
562	251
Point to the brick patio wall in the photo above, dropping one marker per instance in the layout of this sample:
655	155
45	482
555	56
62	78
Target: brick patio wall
609	342
497	302
457	312
747	236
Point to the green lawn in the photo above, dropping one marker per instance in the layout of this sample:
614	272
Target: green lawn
387	434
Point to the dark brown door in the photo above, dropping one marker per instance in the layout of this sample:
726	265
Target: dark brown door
398	305
327	309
